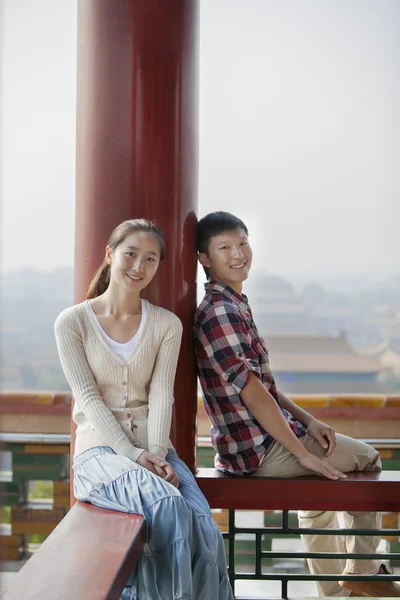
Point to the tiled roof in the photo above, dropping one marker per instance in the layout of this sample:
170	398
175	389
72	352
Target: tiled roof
317	354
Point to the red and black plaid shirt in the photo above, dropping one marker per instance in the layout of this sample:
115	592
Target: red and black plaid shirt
228	348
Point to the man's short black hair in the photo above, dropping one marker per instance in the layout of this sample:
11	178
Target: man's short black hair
214	224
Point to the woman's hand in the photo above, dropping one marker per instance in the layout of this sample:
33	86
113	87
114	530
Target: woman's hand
170	475
152	463
324	434
159	467
320	465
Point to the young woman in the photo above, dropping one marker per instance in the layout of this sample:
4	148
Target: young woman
119	354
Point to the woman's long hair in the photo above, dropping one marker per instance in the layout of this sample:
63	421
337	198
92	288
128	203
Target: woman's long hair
101	278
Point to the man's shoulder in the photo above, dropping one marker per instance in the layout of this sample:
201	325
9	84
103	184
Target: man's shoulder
212	306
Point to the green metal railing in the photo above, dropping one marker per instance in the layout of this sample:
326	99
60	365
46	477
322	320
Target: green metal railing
261	555
240	553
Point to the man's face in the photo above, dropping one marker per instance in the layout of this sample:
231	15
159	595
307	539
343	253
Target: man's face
229	258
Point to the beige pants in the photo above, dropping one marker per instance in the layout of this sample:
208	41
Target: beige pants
349	455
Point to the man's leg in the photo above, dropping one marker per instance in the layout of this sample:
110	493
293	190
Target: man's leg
349	455
323	543
354	455
278	462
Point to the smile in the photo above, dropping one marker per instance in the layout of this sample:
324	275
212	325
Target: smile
237	266
133	278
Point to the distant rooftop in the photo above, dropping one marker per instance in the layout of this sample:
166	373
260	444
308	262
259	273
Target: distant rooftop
318	354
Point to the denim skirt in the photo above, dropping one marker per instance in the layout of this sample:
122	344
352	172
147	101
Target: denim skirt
184	555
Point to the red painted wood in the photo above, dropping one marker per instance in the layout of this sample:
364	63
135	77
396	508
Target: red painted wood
35	409
90	554
137	155
47	398
360	491
356	413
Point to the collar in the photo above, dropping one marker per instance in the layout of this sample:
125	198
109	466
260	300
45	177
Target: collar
240	299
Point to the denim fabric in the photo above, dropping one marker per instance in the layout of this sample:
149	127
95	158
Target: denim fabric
184	556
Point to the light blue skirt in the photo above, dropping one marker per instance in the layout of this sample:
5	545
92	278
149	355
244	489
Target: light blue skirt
184	556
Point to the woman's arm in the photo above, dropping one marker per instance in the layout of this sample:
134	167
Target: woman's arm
161	395
84	388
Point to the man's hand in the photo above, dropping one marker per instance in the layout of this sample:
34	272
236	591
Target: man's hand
320	466
159	467
324	434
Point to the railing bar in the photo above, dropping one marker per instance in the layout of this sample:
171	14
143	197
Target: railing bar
231	537
344	555
302	531
285	520
206	439
313	577
35	438
258	554
66	437
284	587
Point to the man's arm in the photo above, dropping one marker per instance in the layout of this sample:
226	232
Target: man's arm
299	414
224	338
267	412
265	409
323	433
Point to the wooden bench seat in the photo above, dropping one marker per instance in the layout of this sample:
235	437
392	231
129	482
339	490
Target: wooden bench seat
92	552
360	491
90	555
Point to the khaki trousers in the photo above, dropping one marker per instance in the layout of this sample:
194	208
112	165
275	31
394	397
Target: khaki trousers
349	455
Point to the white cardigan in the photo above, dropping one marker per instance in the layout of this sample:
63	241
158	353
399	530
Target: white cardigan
126	406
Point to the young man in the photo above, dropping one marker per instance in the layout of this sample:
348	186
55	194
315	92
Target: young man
256	429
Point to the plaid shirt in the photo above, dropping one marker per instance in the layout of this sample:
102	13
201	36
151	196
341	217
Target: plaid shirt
228	348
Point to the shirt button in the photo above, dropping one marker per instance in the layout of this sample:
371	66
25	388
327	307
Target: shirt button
124	383
124	397
134	426
128	416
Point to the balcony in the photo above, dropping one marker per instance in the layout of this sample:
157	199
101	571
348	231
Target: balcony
262	538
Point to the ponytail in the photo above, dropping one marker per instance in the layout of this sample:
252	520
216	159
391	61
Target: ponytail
100	281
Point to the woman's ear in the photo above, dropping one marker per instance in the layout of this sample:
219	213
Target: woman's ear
107	257
203	259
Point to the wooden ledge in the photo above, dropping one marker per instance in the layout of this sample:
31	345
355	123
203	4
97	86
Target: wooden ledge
360	491
90	554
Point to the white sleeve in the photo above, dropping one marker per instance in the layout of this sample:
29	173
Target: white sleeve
161	395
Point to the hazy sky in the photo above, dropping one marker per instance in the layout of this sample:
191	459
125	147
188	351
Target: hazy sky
299	131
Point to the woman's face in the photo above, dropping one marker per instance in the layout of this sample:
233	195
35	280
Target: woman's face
135	261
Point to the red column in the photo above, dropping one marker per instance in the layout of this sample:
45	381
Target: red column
137	154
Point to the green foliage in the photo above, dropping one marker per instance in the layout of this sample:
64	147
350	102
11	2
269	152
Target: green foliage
40	489
5	514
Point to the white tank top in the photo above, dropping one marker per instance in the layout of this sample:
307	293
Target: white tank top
123	350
